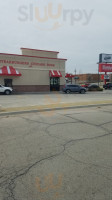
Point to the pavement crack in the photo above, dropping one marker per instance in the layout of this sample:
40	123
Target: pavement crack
9	184
88	123
63	123
88	163
105	123
35	121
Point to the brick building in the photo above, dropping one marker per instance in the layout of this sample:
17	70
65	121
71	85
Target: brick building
86	78
90	78
82	78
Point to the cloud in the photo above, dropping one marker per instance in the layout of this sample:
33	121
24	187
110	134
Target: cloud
80	33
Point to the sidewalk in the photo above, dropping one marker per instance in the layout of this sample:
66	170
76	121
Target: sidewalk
54	106
53	101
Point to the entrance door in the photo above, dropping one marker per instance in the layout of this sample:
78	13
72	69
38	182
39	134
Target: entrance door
8	82
54	84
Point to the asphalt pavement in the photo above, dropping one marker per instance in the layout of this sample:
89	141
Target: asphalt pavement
57	155
39	102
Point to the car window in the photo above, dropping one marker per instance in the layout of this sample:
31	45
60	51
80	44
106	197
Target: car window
72	86
75	86
95	86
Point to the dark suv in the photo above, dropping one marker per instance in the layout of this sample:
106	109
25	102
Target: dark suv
108	86
74	88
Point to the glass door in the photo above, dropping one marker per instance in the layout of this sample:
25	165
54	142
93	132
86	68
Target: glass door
8	82
54	84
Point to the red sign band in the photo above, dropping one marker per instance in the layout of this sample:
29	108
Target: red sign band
103	67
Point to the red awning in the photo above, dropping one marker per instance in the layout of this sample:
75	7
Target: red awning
55	73
69	76
9	71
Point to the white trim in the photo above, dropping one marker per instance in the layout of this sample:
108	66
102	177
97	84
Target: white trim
8	69
58	73
52	72
17	71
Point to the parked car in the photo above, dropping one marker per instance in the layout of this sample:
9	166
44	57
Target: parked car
107	86
5	90
94	87
73	88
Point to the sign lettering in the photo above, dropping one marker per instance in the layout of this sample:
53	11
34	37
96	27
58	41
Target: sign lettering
25	63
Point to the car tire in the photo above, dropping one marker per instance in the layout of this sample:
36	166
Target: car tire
68	91
82	91
7	92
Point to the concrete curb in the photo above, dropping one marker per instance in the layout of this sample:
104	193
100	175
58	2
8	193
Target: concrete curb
52	109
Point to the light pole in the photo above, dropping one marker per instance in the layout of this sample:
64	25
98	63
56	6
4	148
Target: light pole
98	74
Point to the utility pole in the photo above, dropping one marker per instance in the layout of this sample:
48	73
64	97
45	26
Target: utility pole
98	74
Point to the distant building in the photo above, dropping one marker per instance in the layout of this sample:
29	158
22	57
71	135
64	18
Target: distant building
85	78
90	78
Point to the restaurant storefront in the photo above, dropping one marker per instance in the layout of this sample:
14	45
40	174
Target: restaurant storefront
33	71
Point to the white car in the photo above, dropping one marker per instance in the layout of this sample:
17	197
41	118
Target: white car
5	90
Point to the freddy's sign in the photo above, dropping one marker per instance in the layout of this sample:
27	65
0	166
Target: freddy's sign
103	67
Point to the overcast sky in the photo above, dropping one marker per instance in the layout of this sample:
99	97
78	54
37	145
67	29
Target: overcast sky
79	29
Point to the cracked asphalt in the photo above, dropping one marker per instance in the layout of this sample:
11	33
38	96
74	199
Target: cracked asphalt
57	155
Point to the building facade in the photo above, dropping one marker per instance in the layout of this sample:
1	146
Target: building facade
88	78
32	71
83	78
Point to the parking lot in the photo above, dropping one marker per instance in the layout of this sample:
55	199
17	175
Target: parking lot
7	101
60	154
57	155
